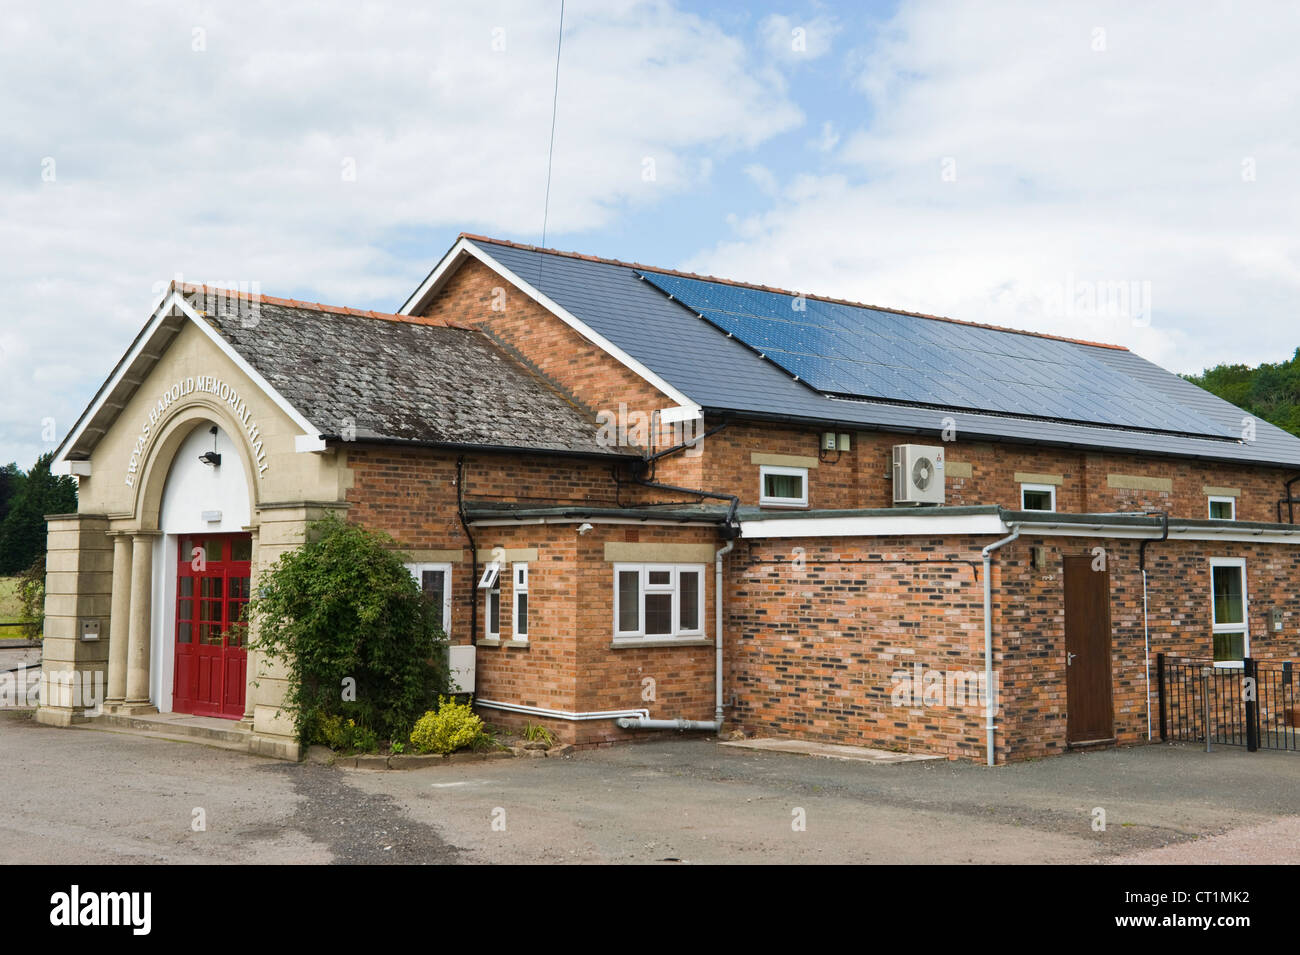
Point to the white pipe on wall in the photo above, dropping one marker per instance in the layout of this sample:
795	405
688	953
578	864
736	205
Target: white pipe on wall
560	714
987	554
714	725
1146	649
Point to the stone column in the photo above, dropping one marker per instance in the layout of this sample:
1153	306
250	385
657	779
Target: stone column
119	621
137	670
252	655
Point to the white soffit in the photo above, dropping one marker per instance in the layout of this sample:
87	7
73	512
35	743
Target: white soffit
877	525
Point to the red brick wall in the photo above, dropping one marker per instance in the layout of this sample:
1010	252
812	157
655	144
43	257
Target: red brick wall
613	678
568	663
1031	626
812	650
410	493
541	341
862	477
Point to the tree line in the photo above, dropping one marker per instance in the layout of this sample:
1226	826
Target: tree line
1269	391
25	499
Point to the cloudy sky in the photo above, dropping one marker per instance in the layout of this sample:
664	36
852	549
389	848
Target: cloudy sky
1115	171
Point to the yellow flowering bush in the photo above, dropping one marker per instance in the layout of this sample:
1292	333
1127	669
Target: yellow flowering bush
450	727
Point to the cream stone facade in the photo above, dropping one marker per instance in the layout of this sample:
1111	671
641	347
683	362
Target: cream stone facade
111	586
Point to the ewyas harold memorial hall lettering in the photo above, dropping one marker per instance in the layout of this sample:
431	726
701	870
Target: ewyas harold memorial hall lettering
206	384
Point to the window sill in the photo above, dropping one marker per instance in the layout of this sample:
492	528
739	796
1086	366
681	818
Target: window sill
484	642
518	644
635	642
789	505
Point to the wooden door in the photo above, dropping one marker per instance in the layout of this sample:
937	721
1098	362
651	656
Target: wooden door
1089	708
212	579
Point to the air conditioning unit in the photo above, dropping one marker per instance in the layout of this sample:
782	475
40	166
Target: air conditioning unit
918	474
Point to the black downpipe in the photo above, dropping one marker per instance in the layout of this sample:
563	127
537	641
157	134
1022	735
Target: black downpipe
1289	500
1164	536
730	530
473	550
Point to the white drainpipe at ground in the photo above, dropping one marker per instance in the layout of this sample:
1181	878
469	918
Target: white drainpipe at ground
987	554
715	725
558	714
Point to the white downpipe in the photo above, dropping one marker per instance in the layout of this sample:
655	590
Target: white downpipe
1146	649
987	554
715	725
717	611
560	714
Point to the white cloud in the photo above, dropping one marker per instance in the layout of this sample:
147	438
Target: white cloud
828	139
227	163
792	39
762	177
1072	166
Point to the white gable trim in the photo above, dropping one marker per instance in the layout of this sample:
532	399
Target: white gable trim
451	261
174	303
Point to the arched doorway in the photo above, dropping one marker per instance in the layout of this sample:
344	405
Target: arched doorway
202	559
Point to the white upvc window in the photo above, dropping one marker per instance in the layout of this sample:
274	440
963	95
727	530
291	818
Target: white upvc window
435	580
1229	611
658	601
490	584
1223	508
519	616
1038	497
491	571
782	487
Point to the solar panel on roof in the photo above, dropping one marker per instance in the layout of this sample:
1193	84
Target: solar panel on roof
863	352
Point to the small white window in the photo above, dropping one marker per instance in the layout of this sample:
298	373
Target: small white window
783	487
492	613
519	620
435	580
491	572
658	601
1223	508
1038	497
1228	614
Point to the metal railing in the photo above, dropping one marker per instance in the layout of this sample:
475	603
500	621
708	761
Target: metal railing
1253	705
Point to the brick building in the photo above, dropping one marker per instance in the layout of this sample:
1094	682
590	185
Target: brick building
656	501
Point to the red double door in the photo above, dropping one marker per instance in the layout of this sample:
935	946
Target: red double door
212	576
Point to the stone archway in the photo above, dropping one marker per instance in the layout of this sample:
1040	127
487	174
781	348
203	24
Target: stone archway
144	558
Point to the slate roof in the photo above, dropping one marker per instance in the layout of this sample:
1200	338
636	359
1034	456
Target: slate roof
724	375
400	378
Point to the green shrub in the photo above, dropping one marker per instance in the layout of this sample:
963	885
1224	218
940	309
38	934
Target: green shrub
359	639
31	597
451	727
535	733
344	736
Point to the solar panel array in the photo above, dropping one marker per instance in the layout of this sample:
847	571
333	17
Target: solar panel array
868	353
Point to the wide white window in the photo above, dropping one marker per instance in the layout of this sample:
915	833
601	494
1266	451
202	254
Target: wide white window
658	601
783	487
1038	497
1229	610
1223	508
519	619
435	580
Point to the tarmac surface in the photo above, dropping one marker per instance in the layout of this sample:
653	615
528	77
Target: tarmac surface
78	796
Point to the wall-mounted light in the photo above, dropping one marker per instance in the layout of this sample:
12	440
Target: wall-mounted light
212	458
583	528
